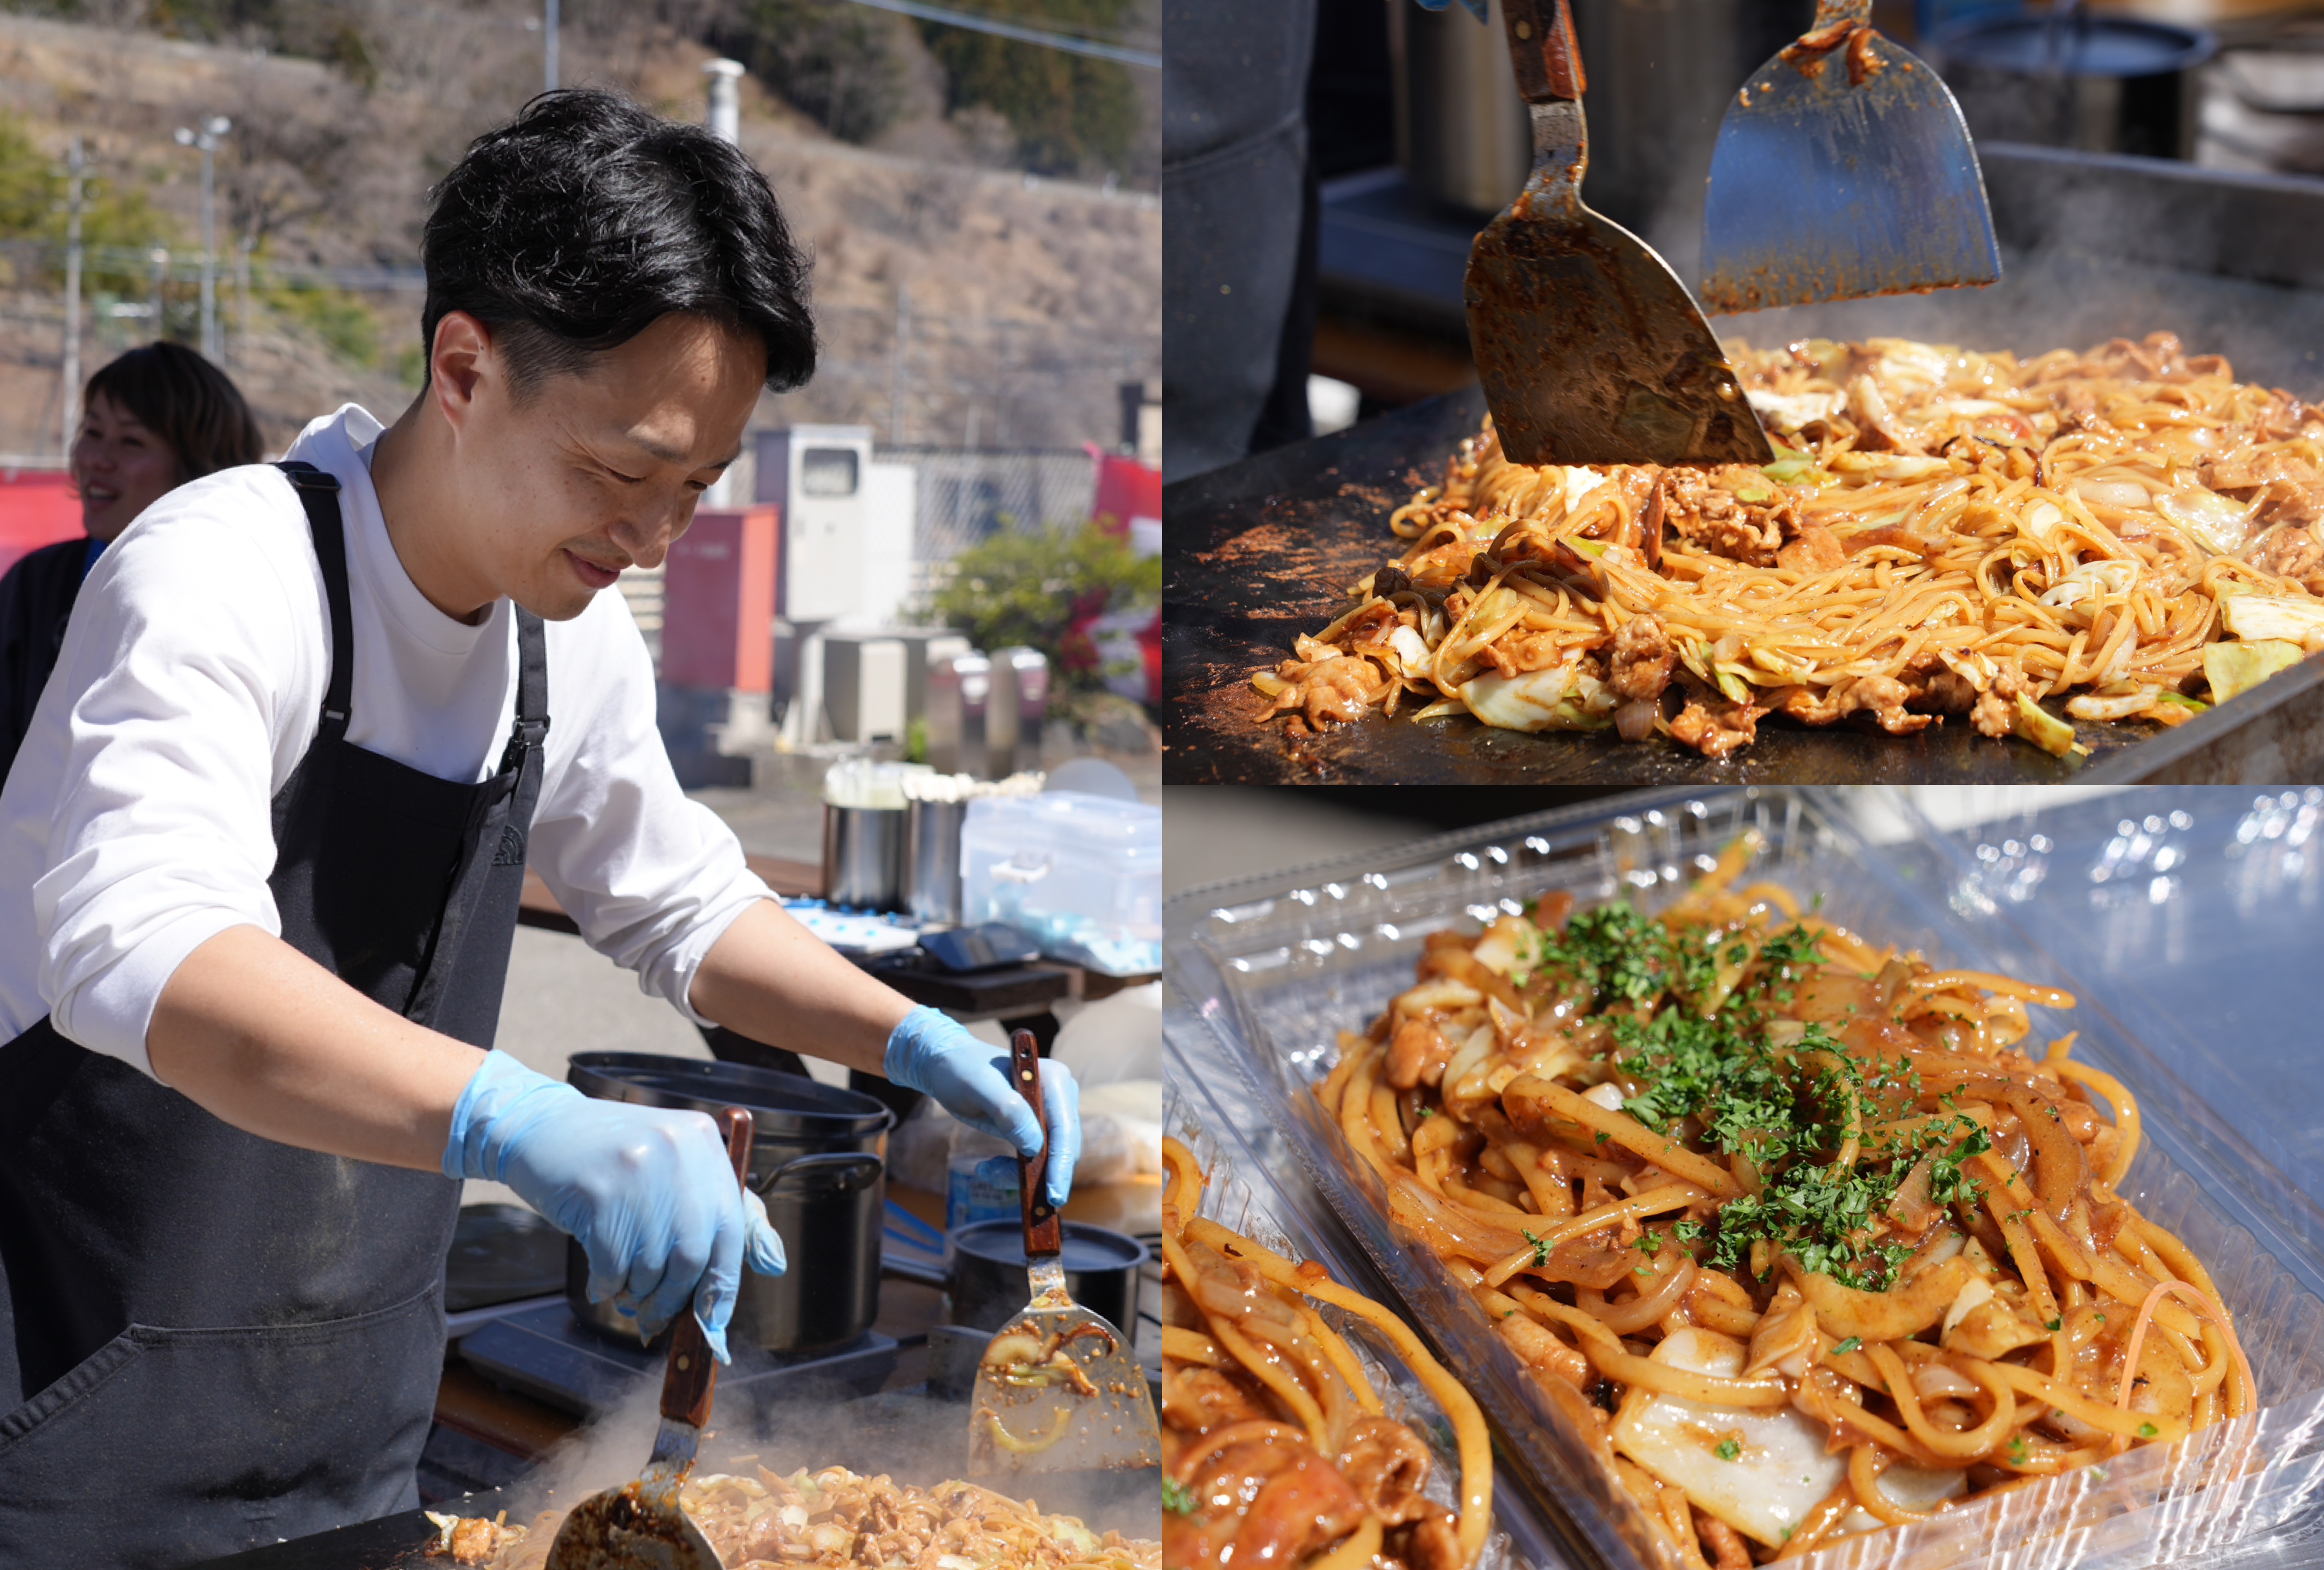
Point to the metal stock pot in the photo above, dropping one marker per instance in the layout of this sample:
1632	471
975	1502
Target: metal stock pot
816	1159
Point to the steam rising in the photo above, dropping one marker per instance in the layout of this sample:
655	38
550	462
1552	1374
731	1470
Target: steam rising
902	1434
2079	286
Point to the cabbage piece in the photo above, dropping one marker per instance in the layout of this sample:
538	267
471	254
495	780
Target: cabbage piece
2043	729
2111	706
2217	524
2253	616
2239	667
2040	519
1789	412
2090	579
1779	1471
1561	698
1411	651
1760	1471
1909	466
1913	367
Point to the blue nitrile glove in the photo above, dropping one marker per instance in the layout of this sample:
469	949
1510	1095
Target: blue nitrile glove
1476	7
649	1192
933	1053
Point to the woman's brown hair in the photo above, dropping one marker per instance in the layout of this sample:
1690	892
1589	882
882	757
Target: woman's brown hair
190	405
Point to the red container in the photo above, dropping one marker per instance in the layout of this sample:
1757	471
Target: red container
37	508
718	602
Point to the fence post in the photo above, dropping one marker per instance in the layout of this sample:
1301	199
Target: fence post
71	399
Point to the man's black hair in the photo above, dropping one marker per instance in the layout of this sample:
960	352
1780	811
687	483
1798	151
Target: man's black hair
576	226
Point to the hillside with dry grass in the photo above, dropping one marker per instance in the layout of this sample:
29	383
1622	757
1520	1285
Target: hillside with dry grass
958	300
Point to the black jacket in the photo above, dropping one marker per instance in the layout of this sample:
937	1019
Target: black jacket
36	600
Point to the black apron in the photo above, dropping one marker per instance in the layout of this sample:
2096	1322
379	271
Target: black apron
220	1340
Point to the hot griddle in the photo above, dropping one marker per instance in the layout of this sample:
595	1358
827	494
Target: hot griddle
1260	551
397	1542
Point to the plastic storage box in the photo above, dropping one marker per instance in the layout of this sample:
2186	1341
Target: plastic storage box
1268	972
1079	874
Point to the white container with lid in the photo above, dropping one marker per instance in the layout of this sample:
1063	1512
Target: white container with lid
1079	874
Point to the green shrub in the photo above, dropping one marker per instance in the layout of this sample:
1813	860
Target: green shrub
119	222
1030	586
340	319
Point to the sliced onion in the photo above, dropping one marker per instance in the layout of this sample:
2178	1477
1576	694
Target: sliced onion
1635	721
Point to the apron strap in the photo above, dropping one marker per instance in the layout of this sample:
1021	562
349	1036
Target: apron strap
319	493
530	727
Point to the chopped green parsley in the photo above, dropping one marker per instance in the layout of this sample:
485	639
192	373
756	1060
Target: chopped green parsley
1177	1498
1693	1016
1728	1449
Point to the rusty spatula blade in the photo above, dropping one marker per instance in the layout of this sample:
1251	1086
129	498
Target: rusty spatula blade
1590	348
1058	1390
640	1526
1843	169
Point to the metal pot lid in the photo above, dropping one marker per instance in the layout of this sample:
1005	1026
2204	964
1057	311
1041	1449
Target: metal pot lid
1087	1249
787	1106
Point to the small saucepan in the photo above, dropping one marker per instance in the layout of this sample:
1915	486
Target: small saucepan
986	1278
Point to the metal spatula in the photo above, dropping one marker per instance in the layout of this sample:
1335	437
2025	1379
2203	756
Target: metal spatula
1058	1390
1843	169
1590	348
640	1525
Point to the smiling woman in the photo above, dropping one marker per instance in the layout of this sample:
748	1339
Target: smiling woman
152	420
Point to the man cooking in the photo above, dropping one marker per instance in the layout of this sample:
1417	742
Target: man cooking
261	852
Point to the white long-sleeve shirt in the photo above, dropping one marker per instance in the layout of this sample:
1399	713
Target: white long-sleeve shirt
136	825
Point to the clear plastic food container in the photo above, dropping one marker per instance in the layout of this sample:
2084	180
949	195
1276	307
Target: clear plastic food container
1244	1196
1079	874
2196	914
1271	970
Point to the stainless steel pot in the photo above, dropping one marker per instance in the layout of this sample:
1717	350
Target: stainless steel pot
816	1159
863	856
1660	74
2101	83
931	890
1461	135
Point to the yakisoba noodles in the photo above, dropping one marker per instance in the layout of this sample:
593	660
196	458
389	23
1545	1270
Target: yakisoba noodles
837	1518
1800	1232
1276	1448
2131	531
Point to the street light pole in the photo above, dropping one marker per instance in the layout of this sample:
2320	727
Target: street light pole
207	138
72	298
242	300
548	50
159	258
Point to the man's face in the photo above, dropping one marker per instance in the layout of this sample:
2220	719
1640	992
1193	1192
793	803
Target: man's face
592	473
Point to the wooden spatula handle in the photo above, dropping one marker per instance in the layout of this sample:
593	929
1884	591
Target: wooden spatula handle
693	1376
1542	46
1044	1233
